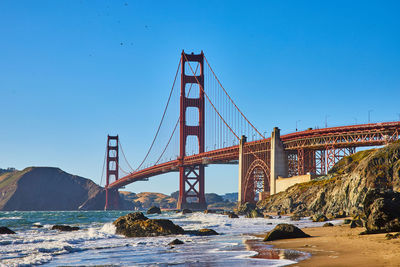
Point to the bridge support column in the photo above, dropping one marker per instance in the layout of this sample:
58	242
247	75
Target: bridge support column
112	196
241	195
191	178
279	161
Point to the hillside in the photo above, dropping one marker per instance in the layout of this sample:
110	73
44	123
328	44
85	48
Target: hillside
345	187
148	199
47	188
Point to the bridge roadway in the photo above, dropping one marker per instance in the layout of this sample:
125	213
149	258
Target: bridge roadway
373	134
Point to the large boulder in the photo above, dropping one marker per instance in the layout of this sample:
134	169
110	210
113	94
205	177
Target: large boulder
138	225
382	211
285	231
5	230
154	210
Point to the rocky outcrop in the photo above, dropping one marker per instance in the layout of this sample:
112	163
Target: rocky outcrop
285	231
381	211
341	192
231	215
46	188
138	225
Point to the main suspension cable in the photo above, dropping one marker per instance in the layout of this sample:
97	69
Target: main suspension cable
104	164
162	119
123	154
231	99
176	125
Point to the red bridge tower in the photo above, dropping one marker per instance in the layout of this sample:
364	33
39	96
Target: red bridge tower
191	178
112	195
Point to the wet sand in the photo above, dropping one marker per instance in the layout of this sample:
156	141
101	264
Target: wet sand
338	246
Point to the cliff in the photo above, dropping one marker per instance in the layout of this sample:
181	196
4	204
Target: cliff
344	189
47	188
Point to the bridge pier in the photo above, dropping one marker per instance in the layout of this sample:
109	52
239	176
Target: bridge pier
279	160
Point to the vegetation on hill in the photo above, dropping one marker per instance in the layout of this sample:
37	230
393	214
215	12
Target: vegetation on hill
7	170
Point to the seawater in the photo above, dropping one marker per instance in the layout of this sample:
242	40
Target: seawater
97	244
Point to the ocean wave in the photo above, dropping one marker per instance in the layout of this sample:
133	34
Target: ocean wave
11	218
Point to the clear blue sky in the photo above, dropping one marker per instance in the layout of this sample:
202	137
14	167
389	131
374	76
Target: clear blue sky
66	81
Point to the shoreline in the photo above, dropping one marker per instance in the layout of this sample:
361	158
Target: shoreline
338	245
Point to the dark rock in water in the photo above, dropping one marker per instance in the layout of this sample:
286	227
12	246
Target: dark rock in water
5	230
209	211
138	225
233	215
64	228
154	210
266	216
327	225
285	231
382	211
124	221
176	242
319	218
185	211
37	226
202	232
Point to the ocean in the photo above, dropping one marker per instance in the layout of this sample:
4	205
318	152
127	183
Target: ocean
97	244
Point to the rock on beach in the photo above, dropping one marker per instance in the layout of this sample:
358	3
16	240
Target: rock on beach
285	231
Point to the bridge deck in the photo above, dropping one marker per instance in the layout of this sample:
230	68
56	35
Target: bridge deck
372	134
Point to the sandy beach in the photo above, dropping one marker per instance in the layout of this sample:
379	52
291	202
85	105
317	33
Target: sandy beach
342	246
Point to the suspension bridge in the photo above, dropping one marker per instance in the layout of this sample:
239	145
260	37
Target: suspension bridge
213	130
